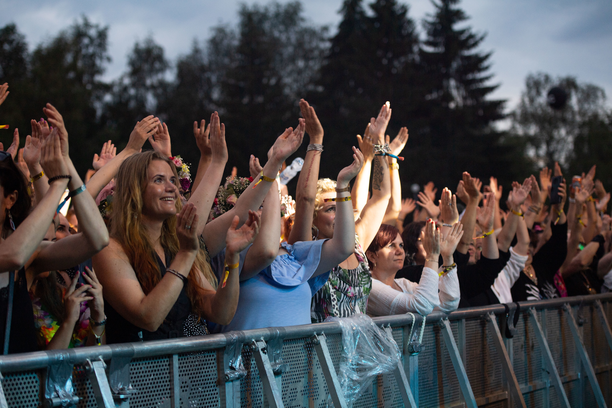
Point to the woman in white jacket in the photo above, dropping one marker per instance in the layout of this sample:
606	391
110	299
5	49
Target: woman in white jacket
438	288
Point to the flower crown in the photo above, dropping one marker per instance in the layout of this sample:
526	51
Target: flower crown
183	172
228	194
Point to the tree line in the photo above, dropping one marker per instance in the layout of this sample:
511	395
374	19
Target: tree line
438	80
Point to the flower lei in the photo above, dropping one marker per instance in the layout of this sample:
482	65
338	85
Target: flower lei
228	194
182	169
287	206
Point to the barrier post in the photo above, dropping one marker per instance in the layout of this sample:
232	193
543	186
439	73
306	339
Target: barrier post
584	357
96	372
402	381
604	322
548	358
3	403
464	382
333	385
266	374
515	389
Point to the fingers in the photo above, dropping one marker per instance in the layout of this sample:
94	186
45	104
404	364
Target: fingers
73	283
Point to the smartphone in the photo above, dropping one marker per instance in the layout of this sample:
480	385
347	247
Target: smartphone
555	198
576	183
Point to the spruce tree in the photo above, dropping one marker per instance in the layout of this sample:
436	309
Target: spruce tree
461	117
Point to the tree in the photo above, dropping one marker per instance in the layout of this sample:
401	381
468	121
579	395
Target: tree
262	69
372	59
550	133
461	118
593	145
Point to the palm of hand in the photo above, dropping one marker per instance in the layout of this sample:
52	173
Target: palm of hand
350	171
398	144
238	240
31	151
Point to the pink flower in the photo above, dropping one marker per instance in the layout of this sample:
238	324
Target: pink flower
231	200
177	162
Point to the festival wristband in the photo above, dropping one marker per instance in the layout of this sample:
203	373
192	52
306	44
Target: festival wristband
37	177
447	269
343	190
264	178
394	166
486	234
327	200
228	268
517	213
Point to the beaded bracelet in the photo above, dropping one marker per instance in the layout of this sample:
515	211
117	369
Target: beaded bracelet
64	176
315	146
447	269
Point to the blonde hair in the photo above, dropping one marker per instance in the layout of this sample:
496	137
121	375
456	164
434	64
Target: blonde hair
128	230
324	185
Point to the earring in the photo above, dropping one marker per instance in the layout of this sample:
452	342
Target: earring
11	223
315	233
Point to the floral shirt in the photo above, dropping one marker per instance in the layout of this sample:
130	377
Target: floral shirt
47	325
346	291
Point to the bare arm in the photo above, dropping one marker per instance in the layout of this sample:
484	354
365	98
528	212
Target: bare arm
515	201
201	134
307	181
360	191
485	220
395	202
253	196
470	190
342	245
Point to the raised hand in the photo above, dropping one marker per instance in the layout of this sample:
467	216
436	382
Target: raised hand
600	191
21	163
365	144
14	147
399	142
287	143
186	227
496	188
519	194
545	179
430	238
313	125
3	92
429	206
57	122
378	126
107	152
218	146
536	193
237	240
557	172
591	174
408	206
430	190
254	166
160	140
461	193
51	158
485	214
33	144
350	171
583	193
602	205
450	239
143	130
448	207
201	134
96	304
472	186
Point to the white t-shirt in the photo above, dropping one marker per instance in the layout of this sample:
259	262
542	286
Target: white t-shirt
506	278
432	292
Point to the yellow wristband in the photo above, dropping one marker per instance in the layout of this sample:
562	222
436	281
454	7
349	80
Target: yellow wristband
264	178
327	200
394	166
38	176
520	214
230	267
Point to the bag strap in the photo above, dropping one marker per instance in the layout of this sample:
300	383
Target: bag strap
9	313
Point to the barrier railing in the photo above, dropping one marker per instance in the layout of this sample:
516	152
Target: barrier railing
559	355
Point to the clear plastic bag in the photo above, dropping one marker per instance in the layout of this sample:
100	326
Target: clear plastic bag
367	352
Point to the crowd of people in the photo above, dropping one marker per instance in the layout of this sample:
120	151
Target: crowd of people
144	252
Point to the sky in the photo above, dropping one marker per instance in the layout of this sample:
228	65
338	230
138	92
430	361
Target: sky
559	37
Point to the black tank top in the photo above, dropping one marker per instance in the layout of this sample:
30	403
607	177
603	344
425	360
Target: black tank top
119	330
23	333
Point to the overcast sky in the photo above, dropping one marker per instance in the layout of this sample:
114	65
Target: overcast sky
559	37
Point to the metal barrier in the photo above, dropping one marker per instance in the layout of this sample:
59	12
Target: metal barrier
560	355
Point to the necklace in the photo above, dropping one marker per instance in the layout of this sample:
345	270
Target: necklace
530	272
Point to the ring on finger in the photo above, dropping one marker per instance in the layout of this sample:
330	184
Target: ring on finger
188	227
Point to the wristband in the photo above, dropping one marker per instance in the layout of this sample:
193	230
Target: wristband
431	260
558	216
77	191
98	338
264	178
228	268
447	269
486	234
446	225
343	190
599	238
96	324
394	166
178	275
37	177
315	146
590	199
517	213
64	176
337	199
